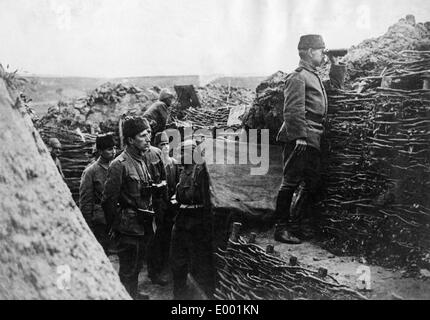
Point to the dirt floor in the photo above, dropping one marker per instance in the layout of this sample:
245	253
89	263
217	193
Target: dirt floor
386	284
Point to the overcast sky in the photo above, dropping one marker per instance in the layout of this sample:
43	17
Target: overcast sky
112	38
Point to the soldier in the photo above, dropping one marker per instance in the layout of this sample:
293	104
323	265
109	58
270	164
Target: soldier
155	263
126	202
191	245
91	190
305	109
158	113
165	220
54	147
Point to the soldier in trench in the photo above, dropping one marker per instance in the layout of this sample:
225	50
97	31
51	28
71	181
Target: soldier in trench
91	189
126	202
191	244
158	113
305	110
54	147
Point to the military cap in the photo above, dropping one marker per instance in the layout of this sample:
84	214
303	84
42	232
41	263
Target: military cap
105	141
314	41
134	125
161	137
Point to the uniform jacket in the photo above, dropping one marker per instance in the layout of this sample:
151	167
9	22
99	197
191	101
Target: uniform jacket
90	192
156	169
193	186
305	103
127	188
157	115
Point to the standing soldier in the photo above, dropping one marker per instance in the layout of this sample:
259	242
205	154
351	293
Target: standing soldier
191	246
54	147
158	113
305	109
127	202
91	190
165	220
154	163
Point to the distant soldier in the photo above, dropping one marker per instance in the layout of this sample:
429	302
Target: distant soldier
305	110
91	190
126	202
158	113
54	147
191	245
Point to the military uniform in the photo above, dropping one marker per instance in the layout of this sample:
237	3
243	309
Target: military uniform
305	111
155	165
157	115
191	246
126	194
90	197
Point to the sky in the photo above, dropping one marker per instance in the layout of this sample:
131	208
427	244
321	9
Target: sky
111	38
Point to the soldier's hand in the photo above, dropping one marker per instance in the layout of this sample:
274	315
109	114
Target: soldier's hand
333	60
301	145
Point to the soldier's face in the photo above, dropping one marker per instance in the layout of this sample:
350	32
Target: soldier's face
55	149
142	140
164	147
317	56
108	154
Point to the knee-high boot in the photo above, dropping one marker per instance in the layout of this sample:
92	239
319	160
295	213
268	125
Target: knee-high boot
282	215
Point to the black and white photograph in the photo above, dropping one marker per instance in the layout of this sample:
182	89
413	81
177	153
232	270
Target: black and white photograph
214	154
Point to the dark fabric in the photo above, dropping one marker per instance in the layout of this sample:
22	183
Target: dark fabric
193	186
191	251
304	167
154	163
305	104
131	257
172	176
128	184
100	232
135	125
283	204
159	247
191	245
157	115
105	141
91	191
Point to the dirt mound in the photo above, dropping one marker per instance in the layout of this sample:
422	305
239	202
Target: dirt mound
101	109
216	101
47	250
267	108
215	95
373	55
